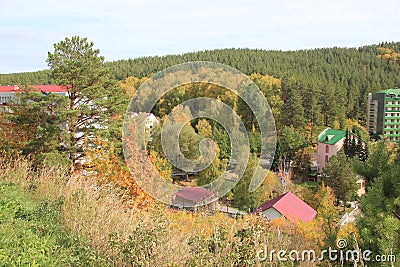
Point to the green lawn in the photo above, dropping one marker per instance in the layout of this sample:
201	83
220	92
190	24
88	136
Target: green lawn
31	233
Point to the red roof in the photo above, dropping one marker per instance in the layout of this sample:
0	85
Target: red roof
290	206
195	194
40	88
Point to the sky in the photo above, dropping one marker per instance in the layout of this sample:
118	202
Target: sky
124	29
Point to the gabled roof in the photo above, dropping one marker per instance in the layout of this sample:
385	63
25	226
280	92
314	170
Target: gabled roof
290	206
330	136
194	194
47	88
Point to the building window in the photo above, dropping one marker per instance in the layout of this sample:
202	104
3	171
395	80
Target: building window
326	159
327	149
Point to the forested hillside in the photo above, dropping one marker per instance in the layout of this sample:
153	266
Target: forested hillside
328	80
101	200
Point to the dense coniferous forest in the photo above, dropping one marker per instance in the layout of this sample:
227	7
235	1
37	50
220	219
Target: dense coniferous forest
331	80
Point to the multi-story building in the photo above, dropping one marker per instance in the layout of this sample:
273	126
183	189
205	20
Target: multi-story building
384	114
8	92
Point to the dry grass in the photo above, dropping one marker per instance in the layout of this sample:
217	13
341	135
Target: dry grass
95	212
146	237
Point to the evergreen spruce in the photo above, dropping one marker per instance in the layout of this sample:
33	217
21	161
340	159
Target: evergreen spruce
359	148
352	147
346	145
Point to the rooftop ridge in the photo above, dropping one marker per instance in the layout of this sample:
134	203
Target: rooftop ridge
330	136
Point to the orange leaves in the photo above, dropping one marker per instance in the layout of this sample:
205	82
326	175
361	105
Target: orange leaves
103	163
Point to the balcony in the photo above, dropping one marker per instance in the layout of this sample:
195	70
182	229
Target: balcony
391	117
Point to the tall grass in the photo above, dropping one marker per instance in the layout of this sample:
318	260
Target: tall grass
154	236
95	212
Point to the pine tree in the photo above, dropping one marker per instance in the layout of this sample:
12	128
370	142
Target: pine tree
363	154
79	67
377	162
353	147
33	126
359	146
292	110
340	177
346	145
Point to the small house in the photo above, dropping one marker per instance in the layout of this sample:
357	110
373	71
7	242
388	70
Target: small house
194	197
289	206
330	142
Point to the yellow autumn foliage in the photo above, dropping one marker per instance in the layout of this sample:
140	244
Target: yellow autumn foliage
131	84
348	232
387	54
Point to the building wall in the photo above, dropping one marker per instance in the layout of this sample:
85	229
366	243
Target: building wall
271	213
323	155
384	115
376	106
372	121
5	97
150	122
190	205
391	124
181	202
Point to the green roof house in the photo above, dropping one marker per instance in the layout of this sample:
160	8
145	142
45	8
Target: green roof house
329	144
